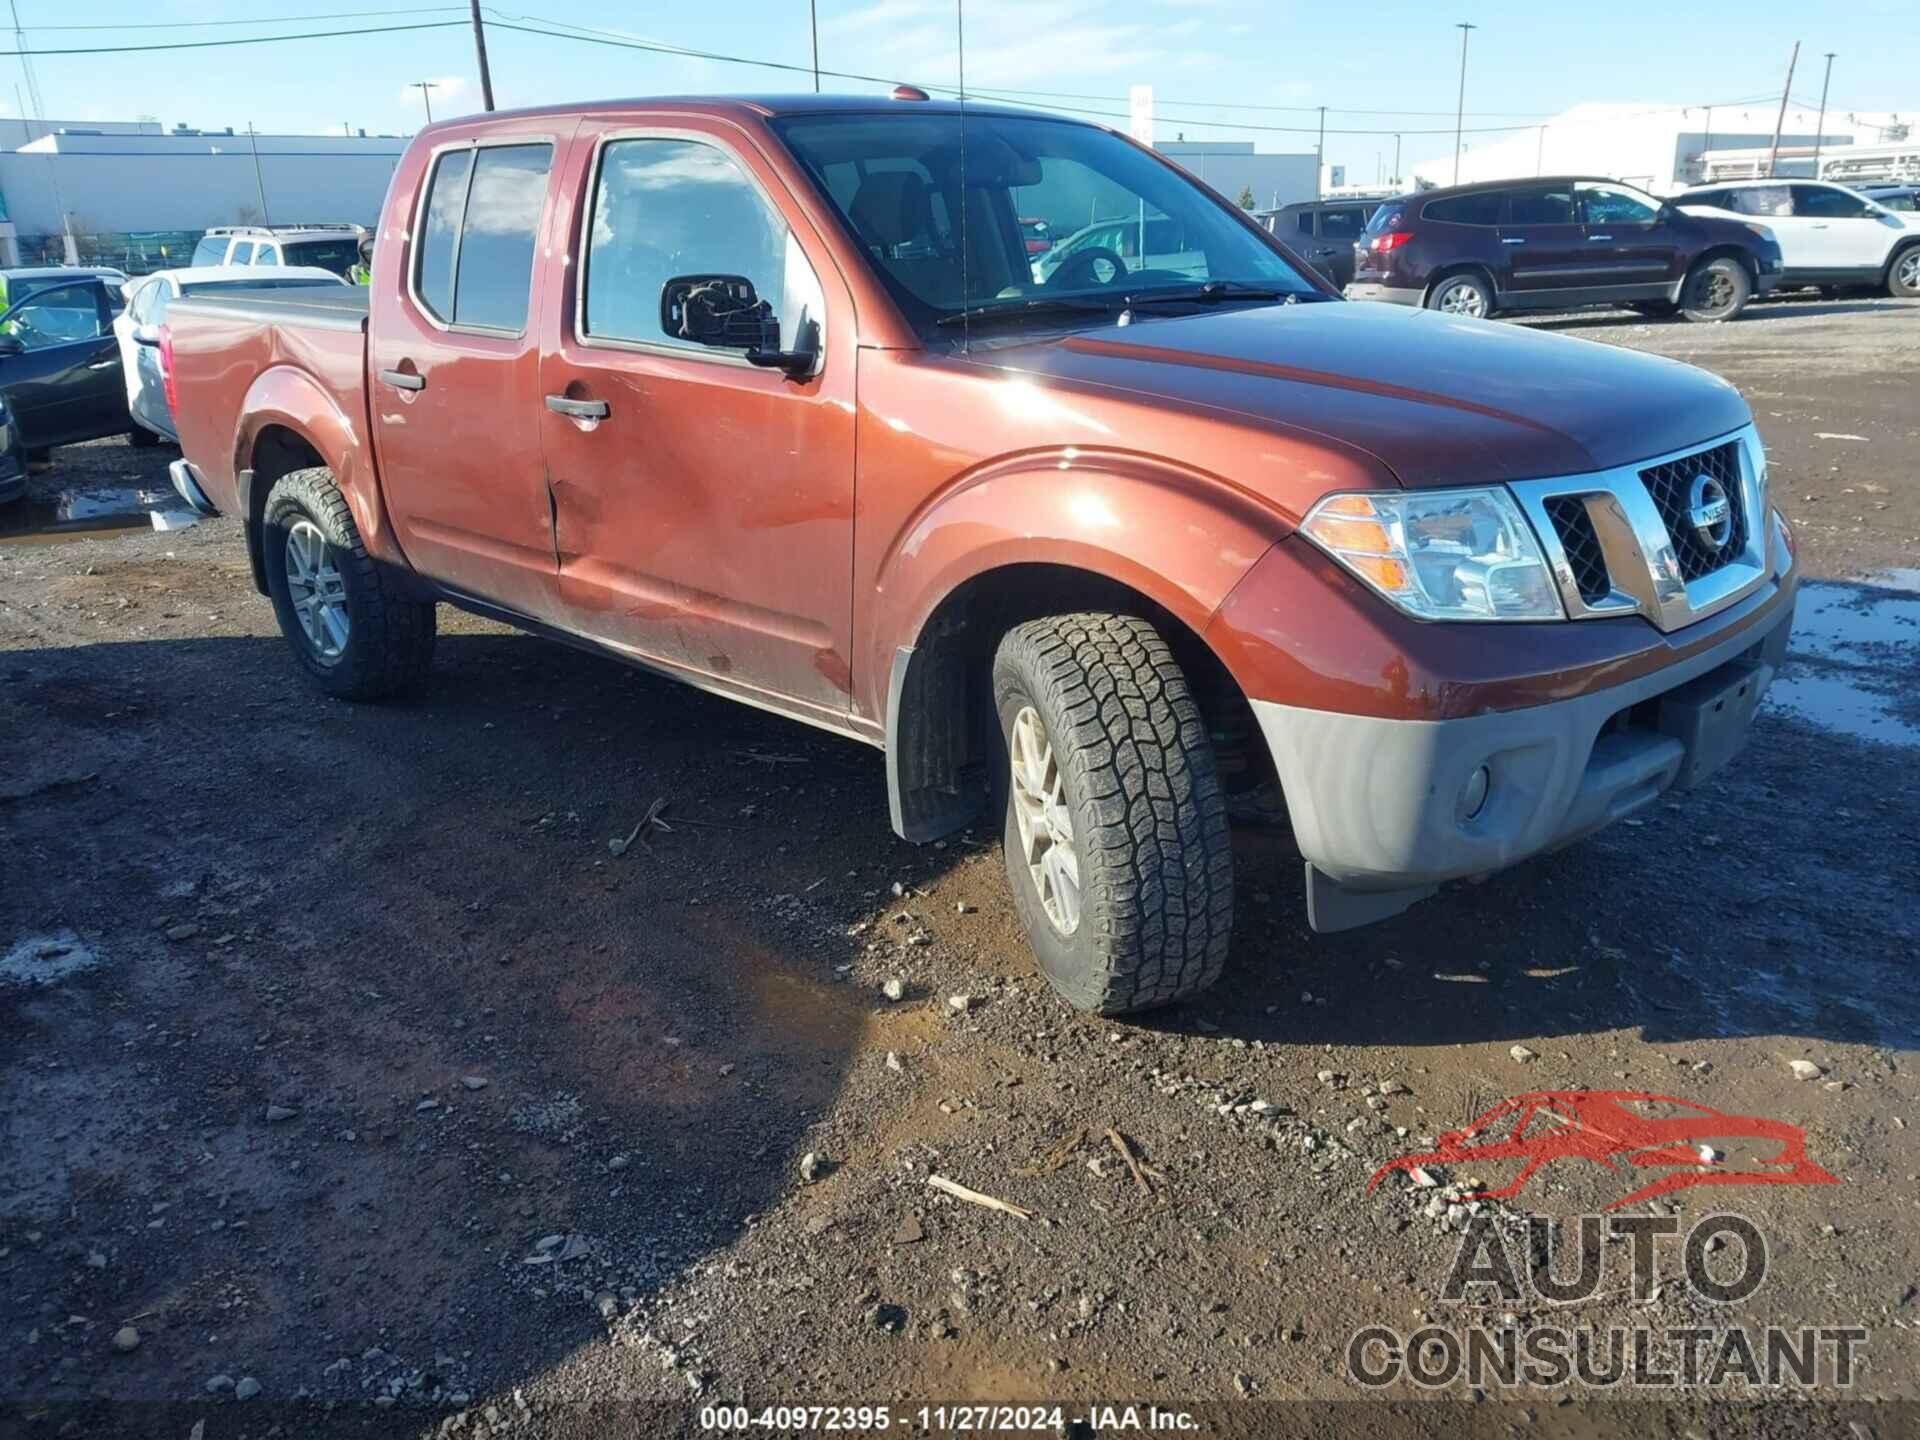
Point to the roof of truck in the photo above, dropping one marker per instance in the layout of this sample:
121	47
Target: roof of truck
760	107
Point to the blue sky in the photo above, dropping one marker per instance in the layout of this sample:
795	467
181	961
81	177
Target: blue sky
1526	60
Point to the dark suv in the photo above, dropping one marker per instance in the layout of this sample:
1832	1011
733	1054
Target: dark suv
1557	243
1323	232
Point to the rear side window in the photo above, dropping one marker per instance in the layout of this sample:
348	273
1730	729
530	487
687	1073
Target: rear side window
211	250
1763	200
1304	218
475	259
1459	210
1386	218
1540	207
1345	223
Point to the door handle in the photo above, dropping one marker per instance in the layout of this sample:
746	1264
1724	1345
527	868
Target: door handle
578	409
1820	226
1512	240
104	365
1592	238
403	379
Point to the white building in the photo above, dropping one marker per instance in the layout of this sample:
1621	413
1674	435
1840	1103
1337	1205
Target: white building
1659	149
97	180
1234	168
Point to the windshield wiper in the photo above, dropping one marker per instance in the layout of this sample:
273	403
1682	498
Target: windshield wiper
1049	305
1214	292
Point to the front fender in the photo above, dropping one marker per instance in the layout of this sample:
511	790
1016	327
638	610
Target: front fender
1180	537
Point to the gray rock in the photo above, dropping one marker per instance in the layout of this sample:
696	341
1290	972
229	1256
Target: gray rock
126	1338
277	1113
1523	1055
178	933
221	1383
812	1167
960	1004
894	988
1806	1070
474	1082
247	1388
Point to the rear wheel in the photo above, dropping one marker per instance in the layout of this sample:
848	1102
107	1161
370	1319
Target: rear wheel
1466	295
1903	275
354	632
1716	290
1116	827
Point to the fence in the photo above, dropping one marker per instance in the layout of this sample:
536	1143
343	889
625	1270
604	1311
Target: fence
137	252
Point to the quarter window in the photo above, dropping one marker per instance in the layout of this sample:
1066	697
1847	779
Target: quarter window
1459	210
664	208
475	251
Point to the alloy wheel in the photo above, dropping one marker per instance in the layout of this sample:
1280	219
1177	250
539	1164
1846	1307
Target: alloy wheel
1046	829
1462	298
1908	271
317	591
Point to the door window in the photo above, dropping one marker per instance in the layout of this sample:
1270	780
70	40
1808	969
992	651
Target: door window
1606	205
211	250
1550	206
1345	223
664	208
242	253
266	255
474	258
59	316
1763	200
1828	202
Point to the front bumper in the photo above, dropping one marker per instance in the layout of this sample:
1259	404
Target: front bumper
1391	294
1377	804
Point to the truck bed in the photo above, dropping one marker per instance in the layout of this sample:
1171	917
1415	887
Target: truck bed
246	360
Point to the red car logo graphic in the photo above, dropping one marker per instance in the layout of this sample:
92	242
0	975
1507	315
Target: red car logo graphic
1619	1129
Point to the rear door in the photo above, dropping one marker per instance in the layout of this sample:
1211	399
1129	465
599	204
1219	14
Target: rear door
704	505
1340	226
1547	260
454	371
1636	254
62	375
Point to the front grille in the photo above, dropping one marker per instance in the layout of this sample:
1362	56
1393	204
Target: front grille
1574	526
1671	486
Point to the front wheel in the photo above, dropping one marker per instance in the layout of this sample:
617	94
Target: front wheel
1116	826
353	630
1716	290
1903	276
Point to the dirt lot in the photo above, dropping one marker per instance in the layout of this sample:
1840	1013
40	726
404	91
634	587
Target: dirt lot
350	1082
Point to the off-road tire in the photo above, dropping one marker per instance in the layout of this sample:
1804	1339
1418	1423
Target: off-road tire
1903	274
390	638
1444	293
1715	290
141	438
1148	815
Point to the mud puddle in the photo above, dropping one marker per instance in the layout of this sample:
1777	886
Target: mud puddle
90	510
1850	662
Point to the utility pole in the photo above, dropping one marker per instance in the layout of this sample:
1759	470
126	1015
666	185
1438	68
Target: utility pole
1540	152
259	179
423	86
1460	106
1773	151
1820	130
26	65
813	20
1706	144
1320	157
1396	157
480	50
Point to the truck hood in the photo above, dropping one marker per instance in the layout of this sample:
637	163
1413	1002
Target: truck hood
1436	399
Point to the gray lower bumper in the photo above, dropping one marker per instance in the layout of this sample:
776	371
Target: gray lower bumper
1391	294
187	485
1377	805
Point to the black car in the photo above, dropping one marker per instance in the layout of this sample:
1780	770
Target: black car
1324	232
1904	198
60	372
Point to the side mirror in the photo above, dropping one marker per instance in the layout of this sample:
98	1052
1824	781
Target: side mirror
146	334
726	312
12	345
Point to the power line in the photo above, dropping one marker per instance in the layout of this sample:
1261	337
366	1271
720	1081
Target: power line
255	20
247	40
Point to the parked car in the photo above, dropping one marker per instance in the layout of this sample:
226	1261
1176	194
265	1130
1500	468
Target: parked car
59	369
1116	248
1829	235
18	283
1038	235
328	247
13	458
1556	244
1903	199
1325	232
141	332
1129	541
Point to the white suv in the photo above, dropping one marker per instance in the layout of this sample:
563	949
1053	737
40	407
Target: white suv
1829	235
330	247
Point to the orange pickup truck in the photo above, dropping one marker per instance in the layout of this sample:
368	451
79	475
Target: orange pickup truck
1097	545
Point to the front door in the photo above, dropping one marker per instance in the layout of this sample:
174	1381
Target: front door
1340	229
454	382
1545	245
1841	228
703	505
1628	240
60	366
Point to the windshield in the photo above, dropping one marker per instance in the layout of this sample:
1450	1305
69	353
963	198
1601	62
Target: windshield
1120	224
338	256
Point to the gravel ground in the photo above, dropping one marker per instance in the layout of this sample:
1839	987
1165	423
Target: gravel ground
350	1083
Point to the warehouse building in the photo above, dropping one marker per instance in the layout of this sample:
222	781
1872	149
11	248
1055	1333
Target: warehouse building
1234	168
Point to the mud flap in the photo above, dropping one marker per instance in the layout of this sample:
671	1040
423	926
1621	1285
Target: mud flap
1332	907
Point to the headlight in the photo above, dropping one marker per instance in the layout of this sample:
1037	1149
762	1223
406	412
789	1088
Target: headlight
1440	554
1761	230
